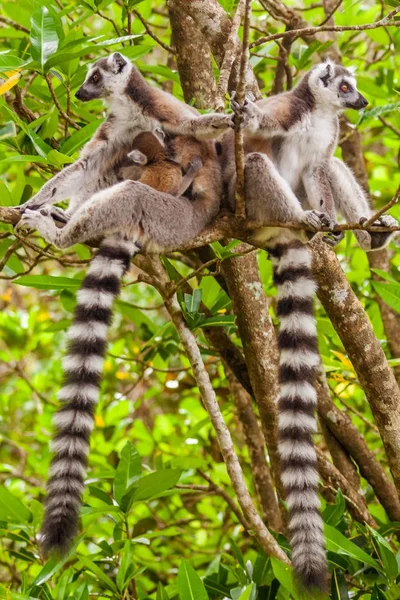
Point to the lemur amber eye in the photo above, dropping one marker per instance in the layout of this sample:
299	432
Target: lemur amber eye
95	78
344	87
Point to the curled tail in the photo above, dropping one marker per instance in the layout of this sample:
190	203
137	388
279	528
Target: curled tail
79	395
299	360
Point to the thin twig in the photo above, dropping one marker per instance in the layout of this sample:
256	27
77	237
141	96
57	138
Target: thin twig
389	126
240	210
380	212
385	22
13	24
58	105
332	12
152	34
231	46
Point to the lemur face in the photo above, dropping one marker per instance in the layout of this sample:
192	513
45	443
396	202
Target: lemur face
105	78
336	86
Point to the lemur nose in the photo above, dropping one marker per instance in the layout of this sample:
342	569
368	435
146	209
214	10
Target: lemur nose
364	101
78	94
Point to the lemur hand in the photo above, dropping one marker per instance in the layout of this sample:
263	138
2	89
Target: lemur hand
332	238
248	114
375	240
315	220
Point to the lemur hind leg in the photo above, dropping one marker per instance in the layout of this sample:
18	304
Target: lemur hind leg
269	198
352	203
129	208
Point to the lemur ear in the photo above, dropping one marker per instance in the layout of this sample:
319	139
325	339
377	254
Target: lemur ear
118	62
160	135
326	73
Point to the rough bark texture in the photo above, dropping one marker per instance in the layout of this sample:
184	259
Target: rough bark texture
347	434
354	329
259	344
334	478
193	57
215	25
257	452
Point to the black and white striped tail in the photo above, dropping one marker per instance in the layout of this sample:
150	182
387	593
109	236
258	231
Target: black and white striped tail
299	360
79	395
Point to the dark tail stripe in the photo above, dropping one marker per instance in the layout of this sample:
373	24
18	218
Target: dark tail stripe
82	376
297	402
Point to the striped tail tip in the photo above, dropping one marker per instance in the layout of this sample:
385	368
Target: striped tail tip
79	395
299	359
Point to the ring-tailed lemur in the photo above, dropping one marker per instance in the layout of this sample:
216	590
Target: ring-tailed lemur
290	140
127	215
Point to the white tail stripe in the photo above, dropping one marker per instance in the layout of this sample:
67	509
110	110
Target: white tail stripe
74	362
80	421
90	298
299	358
88	393
70	444
300	477
88	331
302	288
68	467
298	322
294	257
299	389
306	499
289	419
294	449
106	267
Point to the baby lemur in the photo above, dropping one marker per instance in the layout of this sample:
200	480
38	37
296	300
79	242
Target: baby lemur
150	163
128	215
290	140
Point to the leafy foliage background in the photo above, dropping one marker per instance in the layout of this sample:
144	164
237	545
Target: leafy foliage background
145	534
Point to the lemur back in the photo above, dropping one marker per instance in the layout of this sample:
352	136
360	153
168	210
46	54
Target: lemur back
96	194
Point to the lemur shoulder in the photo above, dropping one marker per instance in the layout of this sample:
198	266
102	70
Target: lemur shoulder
127	215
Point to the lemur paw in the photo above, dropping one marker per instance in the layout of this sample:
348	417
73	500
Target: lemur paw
219	121
247	113
314	220
41	220
138	157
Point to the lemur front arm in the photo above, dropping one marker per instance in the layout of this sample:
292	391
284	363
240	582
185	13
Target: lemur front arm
202	127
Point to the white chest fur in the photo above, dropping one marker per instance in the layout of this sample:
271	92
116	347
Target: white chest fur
306	145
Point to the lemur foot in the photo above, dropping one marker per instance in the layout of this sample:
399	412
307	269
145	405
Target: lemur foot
332	238
41	220
58	214
375	240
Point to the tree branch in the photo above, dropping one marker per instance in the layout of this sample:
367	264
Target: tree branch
188	340
385	22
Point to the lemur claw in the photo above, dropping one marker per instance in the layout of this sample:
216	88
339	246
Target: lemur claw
332	238
313	219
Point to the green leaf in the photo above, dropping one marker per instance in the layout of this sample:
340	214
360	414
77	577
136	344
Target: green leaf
339	586
284	574
377	594
193	301
190	585
219	321
11	508
389	292
156	483
249	593
337	542
46	31
51	567
48	282
10	63
8	130
123	577
79	138
98	572
386	553
129	470
161	592
376	112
